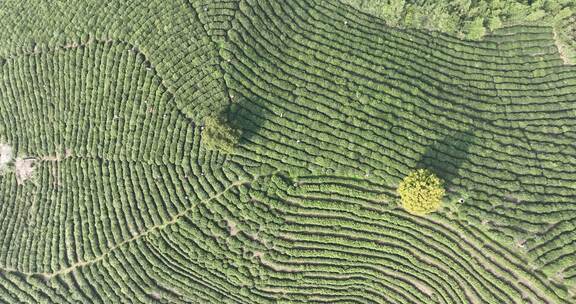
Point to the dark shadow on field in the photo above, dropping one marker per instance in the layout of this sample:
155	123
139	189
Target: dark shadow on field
247	114
447	154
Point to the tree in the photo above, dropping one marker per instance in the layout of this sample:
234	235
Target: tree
494	23
219	135
476	29
421	192
393	11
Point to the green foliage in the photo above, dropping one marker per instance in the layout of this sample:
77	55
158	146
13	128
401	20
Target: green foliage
392	12
467	18
476	30
494	23
219	135
126	205
421	192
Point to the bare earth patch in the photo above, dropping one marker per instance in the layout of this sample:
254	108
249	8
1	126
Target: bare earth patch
561	49
232	228
5	155
51	158
24	168
156	296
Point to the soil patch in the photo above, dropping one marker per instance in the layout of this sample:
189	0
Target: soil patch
561	49
5	155
232	228
24	168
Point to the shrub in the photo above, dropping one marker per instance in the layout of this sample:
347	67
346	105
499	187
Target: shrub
219	135
421	192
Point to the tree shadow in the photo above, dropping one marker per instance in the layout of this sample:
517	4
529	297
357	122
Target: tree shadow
247	114
447	154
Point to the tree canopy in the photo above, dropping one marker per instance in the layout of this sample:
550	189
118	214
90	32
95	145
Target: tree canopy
218	134
469	19
421	192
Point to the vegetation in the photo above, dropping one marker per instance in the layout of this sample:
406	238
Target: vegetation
120	199
453	15
219	135
421	192
474	19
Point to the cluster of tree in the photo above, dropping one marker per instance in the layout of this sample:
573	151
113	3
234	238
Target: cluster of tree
467	18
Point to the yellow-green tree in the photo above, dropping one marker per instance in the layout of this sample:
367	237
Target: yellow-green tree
421	192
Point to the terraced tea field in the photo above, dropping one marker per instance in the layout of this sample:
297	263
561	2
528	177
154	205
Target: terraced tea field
110	192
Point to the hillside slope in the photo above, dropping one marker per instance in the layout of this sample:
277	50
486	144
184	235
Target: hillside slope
126	205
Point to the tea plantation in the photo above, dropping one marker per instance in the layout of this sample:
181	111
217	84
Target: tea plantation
250	151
